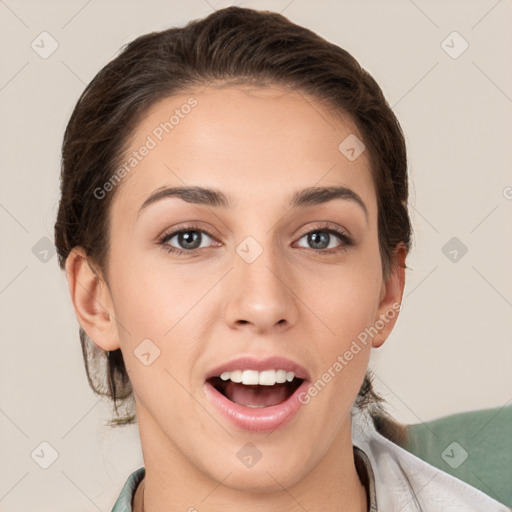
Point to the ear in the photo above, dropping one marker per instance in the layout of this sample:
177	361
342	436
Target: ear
390	297
92	300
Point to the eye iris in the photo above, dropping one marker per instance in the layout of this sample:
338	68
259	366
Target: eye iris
189	239
319	237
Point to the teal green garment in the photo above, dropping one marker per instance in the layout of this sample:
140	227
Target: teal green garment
475	447
124	502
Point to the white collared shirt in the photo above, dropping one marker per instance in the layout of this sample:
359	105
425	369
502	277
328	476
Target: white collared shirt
401	482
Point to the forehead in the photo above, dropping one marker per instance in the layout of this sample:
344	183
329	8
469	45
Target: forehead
255	143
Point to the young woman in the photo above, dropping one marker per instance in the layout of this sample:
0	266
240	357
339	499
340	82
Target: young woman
234	228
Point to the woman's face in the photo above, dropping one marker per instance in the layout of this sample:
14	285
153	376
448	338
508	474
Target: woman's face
257	277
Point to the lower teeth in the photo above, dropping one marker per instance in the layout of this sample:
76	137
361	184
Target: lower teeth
255	406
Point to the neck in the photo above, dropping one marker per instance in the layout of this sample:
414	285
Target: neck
173	482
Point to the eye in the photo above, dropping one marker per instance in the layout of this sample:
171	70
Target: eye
325	237
185	240
189	239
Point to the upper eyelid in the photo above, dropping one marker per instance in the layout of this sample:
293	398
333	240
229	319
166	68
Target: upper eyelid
191	226
327	226
341	233
170	236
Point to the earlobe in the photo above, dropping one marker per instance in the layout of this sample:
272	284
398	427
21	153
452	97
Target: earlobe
391	298
92	300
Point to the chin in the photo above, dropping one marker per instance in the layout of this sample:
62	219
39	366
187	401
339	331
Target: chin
262	479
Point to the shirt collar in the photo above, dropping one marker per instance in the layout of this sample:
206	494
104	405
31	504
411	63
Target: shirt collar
365	473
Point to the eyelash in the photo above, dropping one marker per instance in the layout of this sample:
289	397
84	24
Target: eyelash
326	228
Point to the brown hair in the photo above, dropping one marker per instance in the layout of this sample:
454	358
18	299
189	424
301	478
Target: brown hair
232	45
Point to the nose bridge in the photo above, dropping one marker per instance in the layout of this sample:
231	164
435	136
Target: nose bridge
261	292
257	265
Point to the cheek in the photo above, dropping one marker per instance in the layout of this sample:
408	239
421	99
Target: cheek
161	302
355	309
151	296
346	350
345	302
156	308
347	307
344	297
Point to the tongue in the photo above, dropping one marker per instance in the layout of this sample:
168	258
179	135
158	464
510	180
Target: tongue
257	395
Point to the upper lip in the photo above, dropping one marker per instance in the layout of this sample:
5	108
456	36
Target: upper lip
260	364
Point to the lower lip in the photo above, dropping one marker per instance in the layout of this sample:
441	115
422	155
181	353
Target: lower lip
257	419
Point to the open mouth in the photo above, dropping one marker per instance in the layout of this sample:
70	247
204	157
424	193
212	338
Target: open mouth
255	396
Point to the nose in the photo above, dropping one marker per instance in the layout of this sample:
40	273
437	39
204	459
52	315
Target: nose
261	293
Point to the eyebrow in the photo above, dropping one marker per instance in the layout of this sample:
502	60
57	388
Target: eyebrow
215	198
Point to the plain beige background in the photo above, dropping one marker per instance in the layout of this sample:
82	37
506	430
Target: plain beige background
451	349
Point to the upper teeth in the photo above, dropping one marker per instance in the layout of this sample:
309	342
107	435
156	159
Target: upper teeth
264	378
